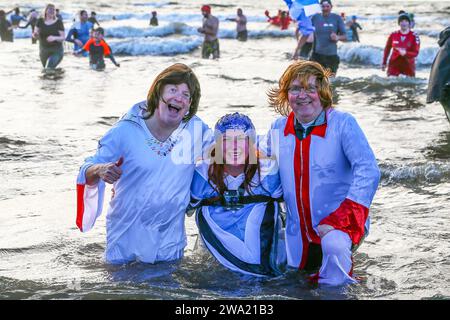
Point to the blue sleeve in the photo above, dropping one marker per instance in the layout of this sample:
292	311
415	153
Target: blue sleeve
200	187
69	37
271	181
268	144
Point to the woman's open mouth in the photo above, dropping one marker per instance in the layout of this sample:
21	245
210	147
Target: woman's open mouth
173	108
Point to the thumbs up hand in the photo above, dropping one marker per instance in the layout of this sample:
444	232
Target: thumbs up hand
111	172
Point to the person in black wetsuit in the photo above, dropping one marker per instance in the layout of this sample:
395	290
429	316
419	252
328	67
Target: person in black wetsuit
98	48
154	19
32	21
50	32
354	26
6	29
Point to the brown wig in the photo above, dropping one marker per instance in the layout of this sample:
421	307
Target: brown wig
175	74
302	70
216	171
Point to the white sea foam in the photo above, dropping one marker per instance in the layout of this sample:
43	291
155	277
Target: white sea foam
155	46
414	173
187	30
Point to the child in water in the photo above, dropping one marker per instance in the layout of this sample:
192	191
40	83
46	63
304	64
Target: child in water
98	48
237	197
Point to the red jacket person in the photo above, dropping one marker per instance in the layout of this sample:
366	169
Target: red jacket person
405	46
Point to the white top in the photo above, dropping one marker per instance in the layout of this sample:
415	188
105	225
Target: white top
145	219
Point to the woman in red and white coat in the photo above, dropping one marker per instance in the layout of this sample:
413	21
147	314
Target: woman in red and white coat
328	172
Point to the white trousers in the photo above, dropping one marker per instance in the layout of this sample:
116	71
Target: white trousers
337	259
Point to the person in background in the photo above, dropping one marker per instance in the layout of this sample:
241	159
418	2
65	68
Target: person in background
329	29
32	21
411	18
439	82
50	32
329	174
275	20
58	15
306	49
304	34
405	46
79	33
210	28
98	48
241	25
6	28
93	19
285	20
154	19
16	18
354	26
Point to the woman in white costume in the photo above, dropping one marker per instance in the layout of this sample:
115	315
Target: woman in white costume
328	172
149	156
237	196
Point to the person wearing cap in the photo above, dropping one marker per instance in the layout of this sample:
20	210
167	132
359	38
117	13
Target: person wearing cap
439	83
411	18
236	194
93	19
404	45
98	48
329	28
241	25
210	28
154	19
328	171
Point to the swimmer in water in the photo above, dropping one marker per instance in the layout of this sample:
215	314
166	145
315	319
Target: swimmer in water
98	48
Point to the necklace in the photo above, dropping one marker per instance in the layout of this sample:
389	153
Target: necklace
163	148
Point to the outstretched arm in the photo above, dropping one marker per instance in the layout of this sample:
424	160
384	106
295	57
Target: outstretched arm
111	57
26	26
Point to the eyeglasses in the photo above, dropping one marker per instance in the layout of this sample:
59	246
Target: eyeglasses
296	90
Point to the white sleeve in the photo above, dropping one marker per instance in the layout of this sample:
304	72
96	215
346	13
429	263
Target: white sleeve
90	198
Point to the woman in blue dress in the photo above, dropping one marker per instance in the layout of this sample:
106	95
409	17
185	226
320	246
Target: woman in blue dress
237	195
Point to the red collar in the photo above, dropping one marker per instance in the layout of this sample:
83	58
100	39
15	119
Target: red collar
317	131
